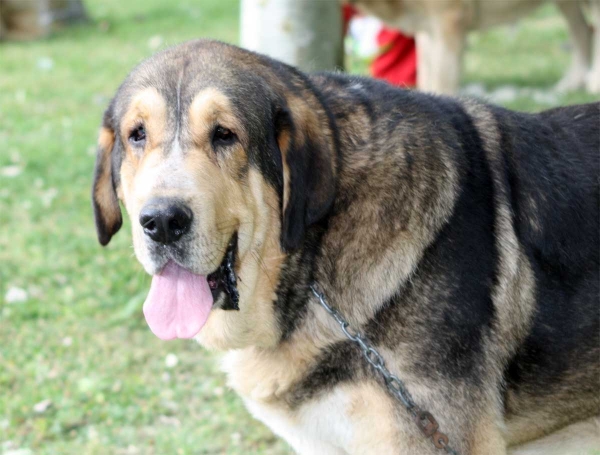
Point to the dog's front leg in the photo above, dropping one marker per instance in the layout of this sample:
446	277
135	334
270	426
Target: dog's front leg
369	421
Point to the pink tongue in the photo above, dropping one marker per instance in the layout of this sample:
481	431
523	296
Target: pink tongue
178	303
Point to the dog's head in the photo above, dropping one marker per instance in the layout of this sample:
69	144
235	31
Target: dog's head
222	159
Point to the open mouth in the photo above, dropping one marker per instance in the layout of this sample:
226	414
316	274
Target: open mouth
179	301
224	281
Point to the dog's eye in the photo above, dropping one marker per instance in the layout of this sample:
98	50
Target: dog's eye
138	136
223	136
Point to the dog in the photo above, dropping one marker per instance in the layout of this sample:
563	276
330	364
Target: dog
441	27
461	239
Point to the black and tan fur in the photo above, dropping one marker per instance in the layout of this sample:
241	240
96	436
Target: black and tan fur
461	238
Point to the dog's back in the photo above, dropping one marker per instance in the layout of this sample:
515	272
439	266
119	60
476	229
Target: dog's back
552	167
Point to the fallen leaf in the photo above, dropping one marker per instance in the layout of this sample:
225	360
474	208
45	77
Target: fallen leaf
171	360
16	295
10	171
42	406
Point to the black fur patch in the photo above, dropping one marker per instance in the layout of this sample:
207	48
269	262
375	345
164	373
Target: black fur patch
553	170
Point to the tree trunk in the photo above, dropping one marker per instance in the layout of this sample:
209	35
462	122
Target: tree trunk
303	33
31	19
68	11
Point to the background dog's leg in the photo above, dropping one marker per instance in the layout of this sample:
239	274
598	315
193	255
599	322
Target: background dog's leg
593	80
424	63
581	40
447	46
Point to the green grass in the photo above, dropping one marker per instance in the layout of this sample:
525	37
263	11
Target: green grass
79	339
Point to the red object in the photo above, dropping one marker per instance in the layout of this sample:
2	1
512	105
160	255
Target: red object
397	60
348	12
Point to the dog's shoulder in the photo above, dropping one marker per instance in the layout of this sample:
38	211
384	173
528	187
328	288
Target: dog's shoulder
552	167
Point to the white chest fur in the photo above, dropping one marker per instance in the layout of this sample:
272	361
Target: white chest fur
319	427
355	418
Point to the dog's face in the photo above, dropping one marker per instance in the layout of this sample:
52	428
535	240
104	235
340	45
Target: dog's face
222	158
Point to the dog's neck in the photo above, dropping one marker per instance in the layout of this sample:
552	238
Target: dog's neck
361	255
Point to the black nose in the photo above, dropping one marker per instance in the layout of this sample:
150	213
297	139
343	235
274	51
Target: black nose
165	221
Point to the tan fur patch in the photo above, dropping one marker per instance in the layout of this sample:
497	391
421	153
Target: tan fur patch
104	193
147	107
283	142
264	375
581	438
374	421
106	139
487	438
209	108
514	295
260	260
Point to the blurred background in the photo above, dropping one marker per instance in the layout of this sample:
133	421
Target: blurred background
80	373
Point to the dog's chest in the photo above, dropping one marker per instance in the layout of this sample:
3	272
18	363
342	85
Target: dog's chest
347	418
319	425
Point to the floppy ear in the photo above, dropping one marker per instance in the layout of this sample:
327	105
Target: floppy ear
107	211
308	153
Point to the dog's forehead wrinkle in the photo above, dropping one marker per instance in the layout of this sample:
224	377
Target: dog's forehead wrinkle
174	147
180	79
178	111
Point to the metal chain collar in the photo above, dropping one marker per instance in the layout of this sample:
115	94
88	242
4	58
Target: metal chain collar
424	420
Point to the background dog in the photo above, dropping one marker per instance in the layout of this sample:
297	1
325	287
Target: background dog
461	238
441	27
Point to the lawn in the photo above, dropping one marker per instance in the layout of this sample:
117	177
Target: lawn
80	372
